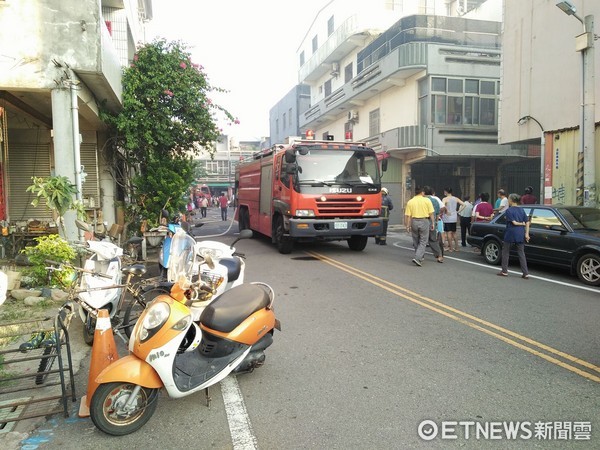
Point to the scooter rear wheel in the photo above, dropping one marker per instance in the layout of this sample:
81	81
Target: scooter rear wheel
109	415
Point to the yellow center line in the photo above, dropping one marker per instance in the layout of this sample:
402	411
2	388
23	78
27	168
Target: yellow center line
455	314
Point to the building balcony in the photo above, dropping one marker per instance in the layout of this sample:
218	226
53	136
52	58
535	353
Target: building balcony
400	64
346	38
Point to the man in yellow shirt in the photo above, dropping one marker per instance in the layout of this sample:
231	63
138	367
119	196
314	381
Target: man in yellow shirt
418	217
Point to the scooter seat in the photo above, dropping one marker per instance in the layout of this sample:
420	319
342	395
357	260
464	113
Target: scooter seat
233	307
135	269
234	268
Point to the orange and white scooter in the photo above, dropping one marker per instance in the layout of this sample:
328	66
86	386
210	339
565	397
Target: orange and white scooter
169	350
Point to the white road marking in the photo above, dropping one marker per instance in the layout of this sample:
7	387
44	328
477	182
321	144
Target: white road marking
537	277
240	428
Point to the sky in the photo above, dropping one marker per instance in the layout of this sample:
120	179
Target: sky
246	47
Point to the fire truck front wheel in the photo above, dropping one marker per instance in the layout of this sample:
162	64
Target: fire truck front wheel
285	244
358	243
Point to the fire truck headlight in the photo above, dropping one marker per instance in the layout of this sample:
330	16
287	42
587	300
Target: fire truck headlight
371	213
305	213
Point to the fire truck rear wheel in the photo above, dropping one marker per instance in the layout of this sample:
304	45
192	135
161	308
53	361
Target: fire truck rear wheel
358	243
285	244
244	219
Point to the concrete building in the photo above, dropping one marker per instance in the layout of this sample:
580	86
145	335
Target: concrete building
420	81
283	117
542	97
61	59
220	168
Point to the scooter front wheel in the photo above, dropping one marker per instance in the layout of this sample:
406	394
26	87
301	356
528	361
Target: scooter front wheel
111	413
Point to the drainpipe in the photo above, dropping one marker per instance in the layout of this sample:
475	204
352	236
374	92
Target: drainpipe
76	140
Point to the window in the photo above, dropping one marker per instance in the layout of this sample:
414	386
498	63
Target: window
330	26
469	101
455	86
438	108
284	121
348	73
544	219
471	86
455	109
374	122
438	84
471	111
327	86
301	59
488	111
315	44
290	117
488	88
276	126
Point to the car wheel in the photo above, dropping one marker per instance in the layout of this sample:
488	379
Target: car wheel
588	269
492	252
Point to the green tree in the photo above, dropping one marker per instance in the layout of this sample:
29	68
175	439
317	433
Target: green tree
167	118
58	193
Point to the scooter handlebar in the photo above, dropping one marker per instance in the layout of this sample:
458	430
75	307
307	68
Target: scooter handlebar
79	269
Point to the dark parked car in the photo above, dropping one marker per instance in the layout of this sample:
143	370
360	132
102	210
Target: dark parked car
560	236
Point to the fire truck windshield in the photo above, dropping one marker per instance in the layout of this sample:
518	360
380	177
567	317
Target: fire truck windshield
329	167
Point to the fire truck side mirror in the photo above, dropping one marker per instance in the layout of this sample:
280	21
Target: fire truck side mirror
384	164
290	157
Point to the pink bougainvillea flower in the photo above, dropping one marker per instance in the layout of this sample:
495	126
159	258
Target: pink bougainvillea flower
136	57
209	101
182	65
237	121
168	92
195	66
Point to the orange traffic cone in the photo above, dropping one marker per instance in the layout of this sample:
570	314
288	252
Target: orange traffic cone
104	352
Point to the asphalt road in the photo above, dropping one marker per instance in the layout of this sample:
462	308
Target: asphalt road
372	346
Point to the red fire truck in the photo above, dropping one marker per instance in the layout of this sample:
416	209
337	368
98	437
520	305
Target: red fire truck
311	190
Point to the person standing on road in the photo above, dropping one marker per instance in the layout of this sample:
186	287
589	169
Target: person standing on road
516	233
528	198
418	217
464	213
434	241
450	218
386	207
503	205
203	206
223	203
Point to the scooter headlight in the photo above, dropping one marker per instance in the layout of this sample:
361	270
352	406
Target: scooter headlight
155	316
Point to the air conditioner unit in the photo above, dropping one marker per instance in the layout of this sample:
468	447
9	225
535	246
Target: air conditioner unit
335	69
462	171
353	115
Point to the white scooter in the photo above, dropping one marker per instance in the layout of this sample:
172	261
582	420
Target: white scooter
106	260
169	350
220	266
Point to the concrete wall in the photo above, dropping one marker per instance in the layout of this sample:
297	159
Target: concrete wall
541	71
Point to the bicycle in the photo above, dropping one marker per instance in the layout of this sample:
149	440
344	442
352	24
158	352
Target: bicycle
52	341
142	291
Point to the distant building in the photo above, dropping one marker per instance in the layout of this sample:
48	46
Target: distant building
284	116
220	169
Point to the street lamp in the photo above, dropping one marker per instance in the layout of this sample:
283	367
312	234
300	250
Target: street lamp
584	43
522	121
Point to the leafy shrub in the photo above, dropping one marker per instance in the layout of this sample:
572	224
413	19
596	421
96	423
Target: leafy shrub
53	248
